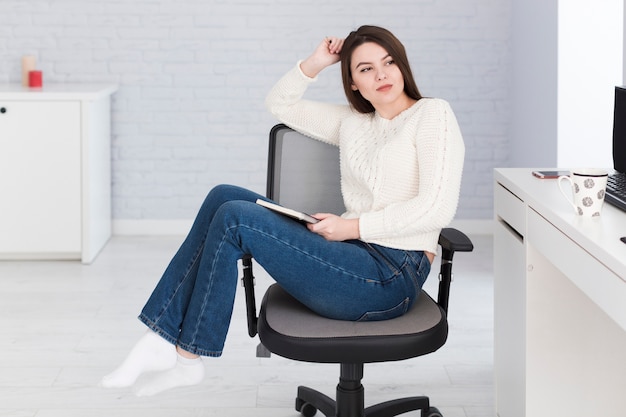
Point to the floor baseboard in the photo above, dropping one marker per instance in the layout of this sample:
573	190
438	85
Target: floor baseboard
474	227
142	227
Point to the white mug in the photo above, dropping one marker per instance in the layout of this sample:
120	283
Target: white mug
588	186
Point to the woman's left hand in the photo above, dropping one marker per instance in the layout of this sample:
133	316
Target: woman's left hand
335	228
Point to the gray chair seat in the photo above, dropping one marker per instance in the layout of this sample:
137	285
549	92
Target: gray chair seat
289	329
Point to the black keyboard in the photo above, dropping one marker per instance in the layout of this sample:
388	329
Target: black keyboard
616	190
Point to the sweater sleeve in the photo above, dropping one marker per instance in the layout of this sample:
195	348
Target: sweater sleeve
315	119
440	154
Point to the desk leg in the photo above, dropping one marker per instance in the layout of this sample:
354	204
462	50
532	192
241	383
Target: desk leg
509	323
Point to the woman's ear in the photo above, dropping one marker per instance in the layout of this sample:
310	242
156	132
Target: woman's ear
354	87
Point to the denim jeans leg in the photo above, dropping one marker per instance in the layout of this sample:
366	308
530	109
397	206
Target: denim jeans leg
166	308
192	304
337	279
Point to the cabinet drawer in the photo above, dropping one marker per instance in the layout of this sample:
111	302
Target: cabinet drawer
592	277
510	209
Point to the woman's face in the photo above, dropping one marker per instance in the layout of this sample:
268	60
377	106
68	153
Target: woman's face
376	76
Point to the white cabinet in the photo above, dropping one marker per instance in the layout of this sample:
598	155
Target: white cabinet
55	171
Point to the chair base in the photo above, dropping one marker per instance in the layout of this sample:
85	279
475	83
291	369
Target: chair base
350	400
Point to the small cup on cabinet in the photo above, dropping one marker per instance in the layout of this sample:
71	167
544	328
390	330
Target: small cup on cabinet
35	79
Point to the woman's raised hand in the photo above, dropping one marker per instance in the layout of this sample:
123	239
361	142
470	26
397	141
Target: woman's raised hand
326	54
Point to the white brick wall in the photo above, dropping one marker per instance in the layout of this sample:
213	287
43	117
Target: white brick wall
193	75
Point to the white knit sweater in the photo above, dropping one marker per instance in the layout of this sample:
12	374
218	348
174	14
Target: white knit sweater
400	177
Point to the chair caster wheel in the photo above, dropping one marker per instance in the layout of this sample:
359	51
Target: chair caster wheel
306	409
433	412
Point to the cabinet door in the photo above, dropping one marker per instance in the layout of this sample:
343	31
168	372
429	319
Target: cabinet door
40	178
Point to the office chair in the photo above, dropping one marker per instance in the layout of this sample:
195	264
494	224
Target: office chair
304	174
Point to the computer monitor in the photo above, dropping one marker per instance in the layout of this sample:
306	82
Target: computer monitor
619	130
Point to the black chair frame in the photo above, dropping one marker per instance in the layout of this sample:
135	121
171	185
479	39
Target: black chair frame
350	392
350	400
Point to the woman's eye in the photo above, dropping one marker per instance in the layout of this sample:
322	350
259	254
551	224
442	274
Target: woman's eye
390	62
366	69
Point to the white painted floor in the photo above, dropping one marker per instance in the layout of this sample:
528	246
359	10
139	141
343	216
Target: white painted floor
63	325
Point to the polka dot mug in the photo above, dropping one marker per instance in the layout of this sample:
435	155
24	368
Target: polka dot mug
588	186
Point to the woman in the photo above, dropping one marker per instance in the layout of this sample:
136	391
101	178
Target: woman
401	164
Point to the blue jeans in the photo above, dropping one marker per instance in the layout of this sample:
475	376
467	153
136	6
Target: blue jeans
192	304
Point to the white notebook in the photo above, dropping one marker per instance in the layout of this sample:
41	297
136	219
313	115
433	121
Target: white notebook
298	215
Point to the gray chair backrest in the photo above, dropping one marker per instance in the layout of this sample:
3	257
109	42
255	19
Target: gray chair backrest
303	173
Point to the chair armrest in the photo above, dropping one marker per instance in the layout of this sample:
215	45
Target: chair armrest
451	240
248	284
454	240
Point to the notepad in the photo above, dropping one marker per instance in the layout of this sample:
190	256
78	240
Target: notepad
298	215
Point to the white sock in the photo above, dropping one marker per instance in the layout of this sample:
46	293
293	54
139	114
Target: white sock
187	372
151	353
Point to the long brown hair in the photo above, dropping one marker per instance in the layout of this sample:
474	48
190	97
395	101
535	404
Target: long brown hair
392	45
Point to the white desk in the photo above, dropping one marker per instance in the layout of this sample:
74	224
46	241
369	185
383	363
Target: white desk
560	303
